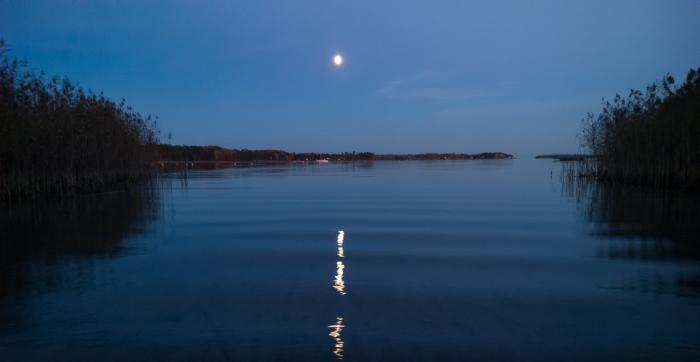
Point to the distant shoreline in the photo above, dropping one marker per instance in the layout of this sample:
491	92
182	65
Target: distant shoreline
214	164
192	154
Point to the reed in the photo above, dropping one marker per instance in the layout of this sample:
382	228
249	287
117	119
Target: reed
57	138
649	138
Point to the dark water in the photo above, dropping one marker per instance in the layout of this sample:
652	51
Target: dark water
470	260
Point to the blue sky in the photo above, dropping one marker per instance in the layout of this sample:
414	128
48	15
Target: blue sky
447	76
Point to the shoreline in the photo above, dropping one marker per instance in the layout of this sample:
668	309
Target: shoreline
233	164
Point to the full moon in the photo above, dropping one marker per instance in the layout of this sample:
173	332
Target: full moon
338	60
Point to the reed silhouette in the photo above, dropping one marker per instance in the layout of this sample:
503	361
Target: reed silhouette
649	138
56	137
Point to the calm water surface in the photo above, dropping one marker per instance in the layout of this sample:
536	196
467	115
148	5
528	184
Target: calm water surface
463	260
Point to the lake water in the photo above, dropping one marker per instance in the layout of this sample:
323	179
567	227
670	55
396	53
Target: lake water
442	260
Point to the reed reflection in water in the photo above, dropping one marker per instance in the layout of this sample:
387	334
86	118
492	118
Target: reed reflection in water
642	224
81	228
55	244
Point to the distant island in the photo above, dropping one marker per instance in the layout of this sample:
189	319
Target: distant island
169	155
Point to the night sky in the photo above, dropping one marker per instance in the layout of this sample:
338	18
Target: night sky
418	76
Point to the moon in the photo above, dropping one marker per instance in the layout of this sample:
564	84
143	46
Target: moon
338	60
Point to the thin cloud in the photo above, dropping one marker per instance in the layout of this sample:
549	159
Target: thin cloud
430	85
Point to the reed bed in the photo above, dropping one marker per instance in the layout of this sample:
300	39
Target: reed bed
57	138
649	138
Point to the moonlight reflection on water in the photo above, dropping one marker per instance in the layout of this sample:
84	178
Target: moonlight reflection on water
339	286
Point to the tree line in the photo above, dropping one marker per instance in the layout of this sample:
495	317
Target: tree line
166	152
179	153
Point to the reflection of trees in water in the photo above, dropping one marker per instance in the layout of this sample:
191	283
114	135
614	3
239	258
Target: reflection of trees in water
46	244
642	224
